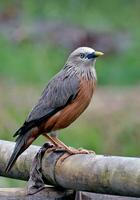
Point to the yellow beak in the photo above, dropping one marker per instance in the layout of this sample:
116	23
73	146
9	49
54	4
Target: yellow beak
98	53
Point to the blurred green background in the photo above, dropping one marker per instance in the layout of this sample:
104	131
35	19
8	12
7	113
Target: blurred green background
35	40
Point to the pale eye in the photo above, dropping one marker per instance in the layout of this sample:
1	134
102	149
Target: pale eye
82	55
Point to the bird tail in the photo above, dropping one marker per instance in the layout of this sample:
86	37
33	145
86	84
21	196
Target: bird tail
23	141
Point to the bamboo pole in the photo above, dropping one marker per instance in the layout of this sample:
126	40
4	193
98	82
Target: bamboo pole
53	194
49	193
100	174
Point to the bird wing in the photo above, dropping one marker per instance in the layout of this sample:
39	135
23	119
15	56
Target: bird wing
60	91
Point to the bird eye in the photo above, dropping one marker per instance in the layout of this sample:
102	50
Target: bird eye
82	55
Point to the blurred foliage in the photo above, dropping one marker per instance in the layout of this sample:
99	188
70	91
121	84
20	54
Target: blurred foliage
37	59
28	64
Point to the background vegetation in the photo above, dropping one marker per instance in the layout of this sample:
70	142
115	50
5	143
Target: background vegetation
111	124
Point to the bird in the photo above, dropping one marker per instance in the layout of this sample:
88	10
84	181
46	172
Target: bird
63	100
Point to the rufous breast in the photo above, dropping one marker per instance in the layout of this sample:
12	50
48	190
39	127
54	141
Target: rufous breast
72	111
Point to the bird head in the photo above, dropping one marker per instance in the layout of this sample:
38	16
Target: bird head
84	56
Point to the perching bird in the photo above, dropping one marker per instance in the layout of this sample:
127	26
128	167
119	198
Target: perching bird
65	97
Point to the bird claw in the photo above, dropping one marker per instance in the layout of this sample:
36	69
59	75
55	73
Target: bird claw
86	151
70	150
57	149
80	151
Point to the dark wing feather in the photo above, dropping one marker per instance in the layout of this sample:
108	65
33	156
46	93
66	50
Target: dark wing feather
59	92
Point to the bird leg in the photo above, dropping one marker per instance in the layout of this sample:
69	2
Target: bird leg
62	146
51	139
58	143
73	150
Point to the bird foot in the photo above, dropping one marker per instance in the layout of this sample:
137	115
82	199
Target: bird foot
82	151
88	151
56	149
70	150
73	151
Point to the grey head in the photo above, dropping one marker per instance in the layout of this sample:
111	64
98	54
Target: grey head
83	57
82	62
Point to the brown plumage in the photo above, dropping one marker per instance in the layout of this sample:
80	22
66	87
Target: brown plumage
68	114
66	96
